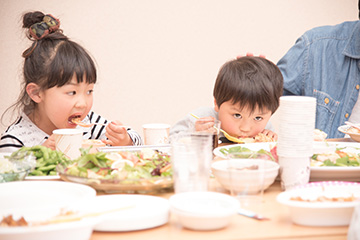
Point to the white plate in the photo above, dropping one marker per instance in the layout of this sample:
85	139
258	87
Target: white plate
40	200
77	230
135	212
317	213
324	173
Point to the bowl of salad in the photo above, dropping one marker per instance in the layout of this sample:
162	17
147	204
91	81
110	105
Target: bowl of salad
12	169
122	170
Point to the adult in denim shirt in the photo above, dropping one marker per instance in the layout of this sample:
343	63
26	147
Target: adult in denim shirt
324	63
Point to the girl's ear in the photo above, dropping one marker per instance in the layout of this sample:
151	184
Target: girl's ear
216	106
33	90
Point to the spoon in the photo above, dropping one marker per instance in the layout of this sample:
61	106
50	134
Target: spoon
353	125
228	136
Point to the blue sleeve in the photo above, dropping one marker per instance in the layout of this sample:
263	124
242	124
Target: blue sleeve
293	67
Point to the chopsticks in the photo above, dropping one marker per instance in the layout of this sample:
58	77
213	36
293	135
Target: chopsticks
228	136
76	217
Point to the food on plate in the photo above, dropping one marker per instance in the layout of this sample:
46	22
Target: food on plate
46	159
271	154
319	135
9	221
339	157
145	164
92	145
326	199
260	137
353	130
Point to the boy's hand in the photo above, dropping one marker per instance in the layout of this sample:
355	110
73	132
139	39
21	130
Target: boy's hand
117	134
50	142
204	124
270	134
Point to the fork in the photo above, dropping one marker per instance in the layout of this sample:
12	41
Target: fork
228	136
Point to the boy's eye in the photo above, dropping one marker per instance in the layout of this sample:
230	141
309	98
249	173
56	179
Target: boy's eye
72	93
90	92
237	115
258	118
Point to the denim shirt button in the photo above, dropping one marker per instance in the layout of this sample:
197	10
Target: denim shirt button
326	100
357	87
347	115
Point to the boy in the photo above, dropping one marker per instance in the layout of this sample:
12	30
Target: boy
246	94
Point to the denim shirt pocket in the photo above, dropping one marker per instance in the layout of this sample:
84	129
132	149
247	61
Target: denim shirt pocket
326	108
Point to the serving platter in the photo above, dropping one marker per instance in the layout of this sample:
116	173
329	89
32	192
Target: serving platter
321	173
151	185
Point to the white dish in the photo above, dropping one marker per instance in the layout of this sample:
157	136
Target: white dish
316	213
323	173
354	136
135	212
41	200
203	210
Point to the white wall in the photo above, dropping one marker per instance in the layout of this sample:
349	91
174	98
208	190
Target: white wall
158	59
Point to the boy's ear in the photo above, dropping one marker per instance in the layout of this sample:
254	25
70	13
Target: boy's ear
33	90
216	106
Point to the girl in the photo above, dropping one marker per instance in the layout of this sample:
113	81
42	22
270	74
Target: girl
59	78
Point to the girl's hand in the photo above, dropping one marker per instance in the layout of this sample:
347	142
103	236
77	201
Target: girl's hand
270	134
117	134
250	55
50	142
204	124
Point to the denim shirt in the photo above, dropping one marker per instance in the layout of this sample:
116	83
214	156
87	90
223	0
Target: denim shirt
324	63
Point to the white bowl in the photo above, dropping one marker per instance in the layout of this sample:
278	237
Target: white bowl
316	213
221	171
203	210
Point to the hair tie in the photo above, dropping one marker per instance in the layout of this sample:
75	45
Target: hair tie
48	25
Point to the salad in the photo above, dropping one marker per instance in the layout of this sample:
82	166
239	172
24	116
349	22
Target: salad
341	157
122	165
252	153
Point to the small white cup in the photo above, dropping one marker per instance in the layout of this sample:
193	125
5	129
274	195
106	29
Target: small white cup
68	141
294	171
156	133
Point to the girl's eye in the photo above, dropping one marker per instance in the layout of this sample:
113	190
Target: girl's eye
72	93
90	92
237	115
258	118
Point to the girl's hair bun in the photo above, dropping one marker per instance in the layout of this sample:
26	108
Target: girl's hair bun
31	18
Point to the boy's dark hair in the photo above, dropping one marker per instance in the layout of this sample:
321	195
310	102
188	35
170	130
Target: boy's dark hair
251	82
52	61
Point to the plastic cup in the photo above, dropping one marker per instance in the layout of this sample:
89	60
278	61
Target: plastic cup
156	133
68	141
191	158
247	172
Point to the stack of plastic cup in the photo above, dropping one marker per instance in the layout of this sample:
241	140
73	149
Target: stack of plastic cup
295	139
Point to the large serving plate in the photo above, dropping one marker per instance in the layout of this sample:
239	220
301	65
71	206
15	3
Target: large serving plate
128	212
310	204
142	186
323	173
